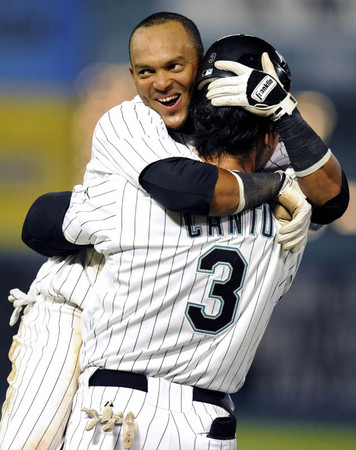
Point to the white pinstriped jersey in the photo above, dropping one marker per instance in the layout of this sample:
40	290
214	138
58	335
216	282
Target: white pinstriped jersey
185	298
45	353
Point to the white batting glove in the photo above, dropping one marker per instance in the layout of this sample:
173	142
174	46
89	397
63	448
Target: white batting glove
257	92
19	299
268	67
294	213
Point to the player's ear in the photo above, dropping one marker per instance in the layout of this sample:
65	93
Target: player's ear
267	138
133	75
200	60
271	137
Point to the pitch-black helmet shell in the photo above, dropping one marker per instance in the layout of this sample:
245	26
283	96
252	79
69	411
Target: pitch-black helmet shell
246	50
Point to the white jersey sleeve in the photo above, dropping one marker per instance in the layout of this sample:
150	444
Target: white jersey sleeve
93	215
128	138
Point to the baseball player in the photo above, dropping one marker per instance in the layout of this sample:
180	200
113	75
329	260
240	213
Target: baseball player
44	376
173	319
164	84
131	417
175	316
182	301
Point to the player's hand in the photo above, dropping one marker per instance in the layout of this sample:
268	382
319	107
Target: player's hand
257	92
294	213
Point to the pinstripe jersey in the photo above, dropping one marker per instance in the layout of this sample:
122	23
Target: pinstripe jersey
45	353
185	298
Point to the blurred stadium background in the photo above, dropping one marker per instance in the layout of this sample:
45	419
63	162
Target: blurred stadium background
63	64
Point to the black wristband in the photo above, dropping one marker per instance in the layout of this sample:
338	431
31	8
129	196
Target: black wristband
307	152
259	187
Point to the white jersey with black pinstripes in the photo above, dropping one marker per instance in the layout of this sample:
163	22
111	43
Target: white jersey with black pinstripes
45	353
185	298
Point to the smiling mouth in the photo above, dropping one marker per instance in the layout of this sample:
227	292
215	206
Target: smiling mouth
168	102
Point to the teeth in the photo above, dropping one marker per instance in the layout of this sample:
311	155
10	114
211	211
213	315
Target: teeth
168	99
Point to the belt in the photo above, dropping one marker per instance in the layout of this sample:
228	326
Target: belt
117	378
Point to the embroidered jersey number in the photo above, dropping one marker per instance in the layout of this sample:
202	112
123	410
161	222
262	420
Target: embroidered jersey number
226	291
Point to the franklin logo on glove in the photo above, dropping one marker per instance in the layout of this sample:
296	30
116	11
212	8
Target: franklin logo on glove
263	89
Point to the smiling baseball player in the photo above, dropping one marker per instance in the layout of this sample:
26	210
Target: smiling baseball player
46	349
181	304
123	330
179	308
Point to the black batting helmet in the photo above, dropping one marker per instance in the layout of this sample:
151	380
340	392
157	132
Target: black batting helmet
246	50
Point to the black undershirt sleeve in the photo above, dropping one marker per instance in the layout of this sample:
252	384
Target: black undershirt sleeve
42	229
181	184
334	208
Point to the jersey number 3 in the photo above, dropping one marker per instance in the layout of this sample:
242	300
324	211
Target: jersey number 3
223	291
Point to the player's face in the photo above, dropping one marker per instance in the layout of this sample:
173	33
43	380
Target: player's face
164	68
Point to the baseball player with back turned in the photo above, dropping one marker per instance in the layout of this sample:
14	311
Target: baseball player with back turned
209	321
181	303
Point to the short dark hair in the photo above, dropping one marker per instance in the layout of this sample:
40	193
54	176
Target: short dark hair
164	17
224	130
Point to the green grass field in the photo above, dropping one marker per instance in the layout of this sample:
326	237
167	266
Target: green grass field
290	436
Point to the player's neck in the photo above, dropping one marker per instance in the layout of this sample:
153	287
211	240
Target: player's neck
231	162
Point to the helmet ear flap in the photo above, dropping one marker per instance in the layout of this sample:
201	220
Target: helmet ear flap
245	49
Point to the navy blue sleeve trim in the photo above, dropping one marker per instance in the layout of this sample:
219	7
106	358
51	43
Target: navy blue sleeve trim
42	229
181	184
334	208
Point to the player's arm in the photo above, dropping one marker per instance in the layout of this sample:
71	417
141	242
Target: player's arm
42	229
61	223
194	187
179	184
319	173
188	193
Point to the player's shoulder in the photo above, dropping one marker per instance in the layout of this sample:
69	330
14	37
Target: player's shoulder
132	112
134	107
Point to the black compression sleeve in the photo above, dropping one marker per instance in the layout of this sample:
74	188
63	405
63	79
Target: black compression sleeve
181	184
42	229
334	208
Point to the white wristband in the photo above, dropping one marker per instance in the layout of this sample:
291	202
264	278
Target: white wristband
314	167
242	201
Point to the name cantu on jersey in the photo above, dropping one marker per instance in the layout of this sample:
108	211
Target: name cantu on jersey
250	222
